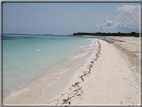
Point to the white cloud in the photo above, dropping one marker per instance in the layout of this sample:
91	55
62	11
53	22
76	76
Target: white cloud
108	22
127	8
100	26
129	13
126	20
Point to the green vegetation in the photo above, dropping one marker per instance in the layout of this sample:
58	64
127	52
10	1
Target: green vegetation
134	34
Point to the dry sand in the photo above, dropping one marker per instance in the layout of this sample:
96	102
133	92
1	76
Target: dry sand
109	76
130	46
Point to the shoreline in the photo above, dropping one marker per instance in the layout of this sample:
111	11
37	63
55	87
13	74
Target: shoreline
60	85
87	65
92	85
47	88
105	78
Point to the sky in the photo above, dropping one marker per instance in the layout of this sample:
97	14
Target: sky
69	18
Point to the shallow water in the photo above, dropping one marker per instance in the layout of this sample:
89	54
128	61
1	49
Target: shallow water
27	58
34	62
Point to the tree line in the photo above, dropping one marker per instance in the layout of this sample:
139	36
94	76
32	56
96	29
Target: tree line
133	34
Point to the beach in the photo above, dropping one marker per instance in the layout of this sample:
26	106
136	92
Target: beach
71	53
109	77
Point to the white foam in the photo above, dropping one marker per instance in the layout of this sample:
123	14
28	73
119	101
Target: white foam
38	50
80	55
15	93
82	46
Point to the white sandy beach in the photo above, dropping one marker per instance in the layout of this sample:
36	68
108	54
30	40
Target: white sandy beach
108	77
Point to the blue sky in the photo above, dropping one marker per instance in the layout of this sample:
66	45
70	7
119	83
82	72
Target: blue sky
68	18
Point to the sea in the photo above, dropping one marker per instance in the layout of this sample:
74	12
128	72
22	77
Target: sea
30	57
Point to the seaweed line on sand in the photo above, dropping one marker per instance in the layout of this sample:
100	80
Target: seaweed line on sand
75	89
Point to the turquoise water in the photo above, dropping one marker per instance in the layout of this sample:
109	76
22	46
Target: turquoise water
29	57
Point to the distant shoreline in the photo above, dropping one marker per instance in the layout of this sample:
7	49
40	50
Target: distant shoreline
97	34
132	34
